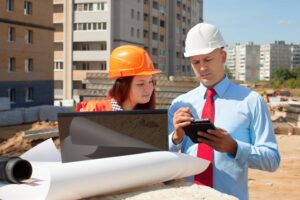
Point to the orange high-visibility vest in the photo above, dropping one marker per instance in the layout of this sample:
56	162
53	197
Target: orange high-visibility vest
94	106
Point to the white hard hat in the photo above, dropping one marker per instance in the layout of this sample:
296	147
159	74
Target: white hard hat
201	39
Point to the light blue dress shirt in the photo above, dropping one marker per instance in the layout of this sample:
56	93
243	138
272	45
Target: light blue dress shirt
245	116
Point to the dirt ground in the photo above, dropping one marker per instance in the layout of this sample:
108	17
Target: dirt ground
282	184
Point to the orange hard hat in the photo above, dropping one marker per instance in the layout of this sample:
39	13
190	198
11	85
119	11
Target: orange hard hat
130	60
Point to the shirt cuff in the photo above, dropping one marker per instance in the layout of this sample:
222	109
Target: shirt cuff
172	146
242	153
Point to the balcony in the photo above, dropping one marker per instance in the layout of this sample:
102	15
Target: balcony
58	55
58	18
58	36
58	1
90	55
90	36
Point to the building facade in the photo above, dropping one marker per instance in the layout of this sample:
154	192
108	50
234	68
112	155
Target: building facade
243	61
231	60
86	31
26	52
273	56
295	55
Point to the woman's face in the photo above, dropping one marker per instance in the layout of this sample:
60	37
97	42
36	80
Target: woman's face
141	89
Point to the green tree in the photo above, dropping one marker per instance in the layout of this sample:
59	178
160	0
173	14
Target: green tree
276	83
296	72
228	73
283	74
291	83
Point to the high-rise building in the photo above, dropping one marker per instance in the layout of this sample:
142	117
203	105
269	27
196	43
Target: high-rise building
272	57
295	55
243	61
86	31
247	62
26	52
231	60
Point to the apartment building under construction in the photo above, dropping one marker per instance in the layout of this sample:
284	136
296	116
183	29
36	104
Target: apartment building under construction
86	31
26	52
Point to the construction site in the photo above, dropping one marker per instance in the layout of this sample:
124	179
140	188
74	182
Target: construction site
22	129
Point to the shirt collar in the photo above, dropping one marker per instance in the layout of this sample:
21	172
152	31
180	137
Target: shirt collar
220	88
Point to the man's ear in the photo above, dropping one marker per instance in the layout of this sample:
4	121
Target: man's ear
224	56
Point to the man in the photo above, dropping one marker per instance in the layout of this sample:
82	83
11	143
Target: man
243	138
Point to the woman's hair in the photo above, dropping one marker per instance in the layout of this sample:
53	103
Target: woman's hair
120	92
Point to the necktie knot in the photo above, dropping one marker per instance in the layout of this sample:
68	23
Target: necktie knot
210	92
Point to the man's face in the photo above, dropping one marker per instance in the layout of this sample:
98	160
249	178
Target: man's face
209	68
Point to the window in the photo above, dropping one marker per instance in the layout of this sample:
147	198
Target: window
12	95
132	31
132	13
27	8
155	20
29	65
11	34
162	8
89	26
103	46
138	33
146	34
9	5
154	36
58	65
146	18
29	94
85	66
103	65
155	4
138	15
102	6
29	36
162	38
162	52
154	51
11	64
85	47
162	23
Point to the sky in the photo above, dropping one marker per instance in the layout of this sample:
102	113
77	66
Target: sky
260	21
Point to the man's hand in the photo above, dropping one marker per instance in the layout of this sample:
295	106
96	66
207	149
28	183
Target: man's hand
182	118
219	139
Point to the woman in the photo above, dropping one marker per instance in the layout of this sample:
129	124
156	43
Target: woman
133	89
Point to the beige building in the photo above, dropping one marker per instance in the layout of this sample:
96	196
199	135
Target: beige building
243	61
86	31
231	59
272	56
26	52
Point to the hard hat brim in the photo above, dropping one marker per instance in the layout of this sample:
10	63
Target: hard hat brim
142	73
199	52
145	73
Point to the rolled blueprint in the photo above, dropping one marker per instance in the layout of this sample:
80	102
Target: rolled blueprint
82	179
14	169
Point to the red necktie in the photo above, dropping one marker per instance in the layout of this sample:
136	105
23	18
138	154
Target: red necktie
204	150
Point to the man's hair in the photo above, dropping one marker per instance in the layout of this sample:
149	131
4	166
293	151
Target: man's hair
120	92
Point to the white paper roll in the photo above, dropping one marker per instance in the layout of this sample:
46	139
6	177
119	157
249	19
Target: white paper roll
81	179
75	180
